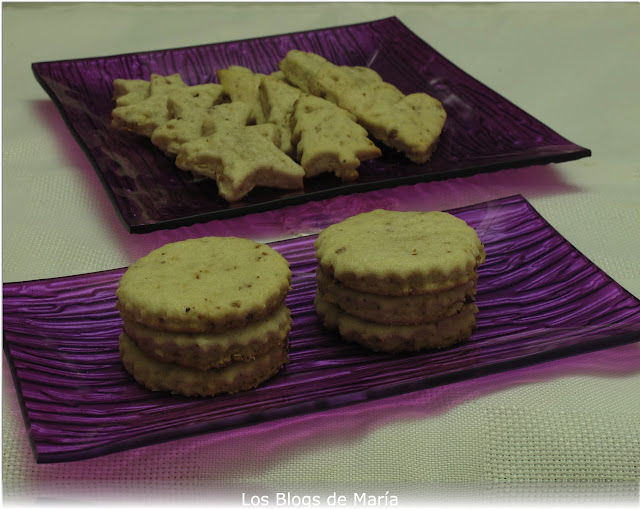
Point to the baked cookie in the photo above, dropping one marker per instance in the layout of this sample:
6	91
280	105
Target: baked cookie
239	159
299	66
188	107
398	338
210	284
391	310
411	124
400	253
278	99
328	139
127	92
191	101
145	115
242	84
225	116
205	351
235	377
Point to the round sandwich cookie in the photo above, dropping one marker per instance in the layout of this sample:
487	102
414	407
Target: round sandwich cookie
400	310
400	253
205	351
235	377
204	285
398	338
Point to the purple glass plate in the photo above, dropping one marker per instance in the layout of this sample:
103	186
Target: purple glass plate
539	299
484	131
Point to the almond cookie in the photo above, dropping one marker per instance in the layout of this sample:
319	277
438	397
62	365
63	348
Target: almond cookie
411	124
191	101
126	92
206	351
188	107
239	159
278	99
242	84
402	310
143	116
210	284
400	253
328	139
398	338
299	66
225	116
235	377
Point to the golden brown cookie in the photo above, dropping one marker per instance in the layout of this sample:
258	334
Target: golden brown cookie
188	107
204	351
328	139
400	253
209	284
299	66
411	124
399	310
126	92
242	84
225	116
398	338
278	99
235	377
144	115
239	159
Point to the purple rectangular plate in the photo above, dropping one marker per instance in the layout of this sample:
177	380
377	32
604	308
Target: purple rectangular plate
539	299
483	132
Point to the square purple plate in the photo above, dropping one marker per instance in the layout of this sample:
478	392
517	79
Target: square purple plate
539	299
484	132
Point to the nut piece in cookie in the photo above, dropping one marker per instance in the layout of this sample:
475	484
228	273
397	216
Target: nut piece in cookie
328	139
239	159
145	115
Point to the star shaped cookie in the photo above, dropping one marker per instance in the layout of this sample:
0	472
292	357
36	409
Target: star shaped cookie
140	109
240	158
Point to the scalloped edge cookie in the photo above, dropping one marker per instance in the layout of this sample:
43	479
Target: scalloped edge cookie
206	351
209	284
398	338
236	377
397	253
399	310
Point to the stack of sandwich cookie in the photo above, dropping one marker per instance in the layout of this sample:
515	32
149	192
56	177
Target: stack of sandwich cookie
205	316
399	281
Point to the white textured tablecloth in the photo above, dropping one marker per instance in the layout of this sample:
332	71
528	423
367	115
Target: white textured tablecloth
559	431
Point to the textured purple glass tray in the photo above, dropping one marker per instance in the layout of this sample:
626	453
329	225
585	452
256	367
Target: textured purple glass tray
539	299
484	131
